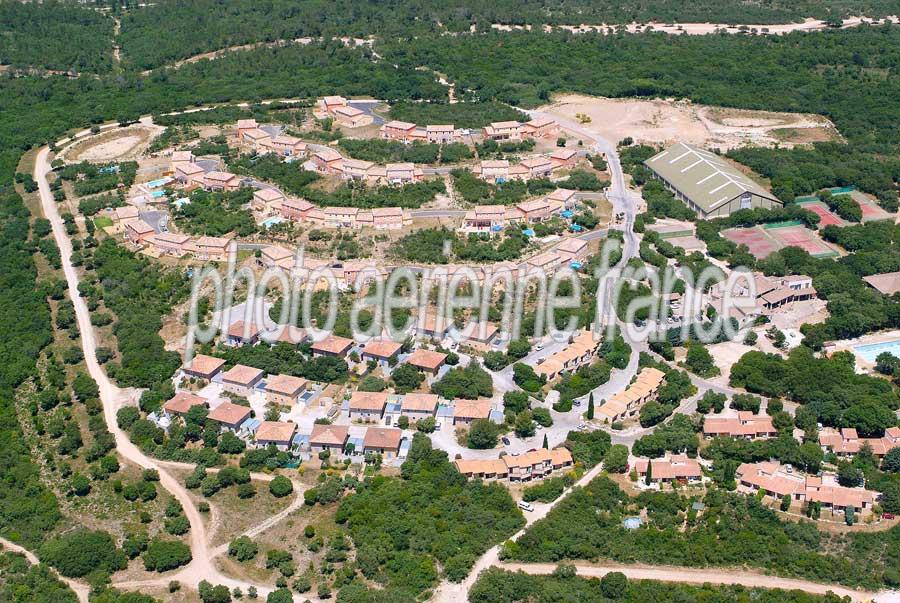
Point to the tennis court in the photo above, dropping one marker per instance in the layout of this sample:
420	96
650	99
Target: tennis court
870	209
827	217
755	238
804	238
763	240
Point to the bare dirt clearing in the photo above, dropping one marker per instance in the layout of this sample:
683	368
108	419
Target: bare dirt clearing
667	121
118	145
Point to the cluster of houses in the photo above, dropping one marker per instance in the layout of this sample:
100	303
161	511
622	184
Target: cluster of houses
379	218
287	435
378	412
845	442
262	141
778	481
773	294
498	171
339	109
382	407
580	352
745	425
176	245
328	161
628	402
525	467
675	468
495	218
543	127
190	174
404	131
139	233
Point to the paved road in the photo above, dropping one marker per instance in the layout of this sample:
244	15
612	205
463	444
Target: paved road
368	107
686	575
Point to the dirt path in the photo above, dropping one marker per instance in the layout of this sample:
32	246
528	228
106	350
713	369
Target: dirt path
685	575
215	54
117	51
201	566
82	591
450	592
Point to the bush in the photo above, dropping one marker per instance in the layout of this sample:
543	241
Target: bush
613	585
79	553
280	486
516	401
243	548
616	460
164	555
426	425
546	491
746	402
483	434
711	401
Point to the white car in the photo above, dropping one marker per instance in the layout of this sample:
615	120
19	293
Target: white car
526	506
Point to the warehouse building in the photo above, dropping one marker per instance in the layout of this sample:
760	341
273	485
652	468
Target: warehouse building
707	183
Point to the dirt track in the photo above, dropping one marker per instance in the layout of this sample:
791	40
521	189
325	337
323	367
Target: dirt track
698	576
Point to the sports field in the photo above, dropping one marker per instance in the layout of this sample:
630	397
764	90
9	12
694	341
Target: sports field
828	218
763	240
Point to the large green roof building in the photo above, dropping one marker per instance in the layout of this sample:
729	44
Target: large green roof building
708	183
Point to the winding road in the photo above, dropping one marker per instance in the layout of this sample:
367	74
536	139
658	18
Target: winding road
201	566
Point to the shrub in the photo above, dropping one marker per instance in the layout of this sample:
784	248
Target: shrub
243	549
164	555
79	553
280	486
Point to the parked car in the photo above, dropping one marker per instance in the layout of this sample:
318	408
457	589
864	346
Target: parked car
526	506
887	515
538	347
505	440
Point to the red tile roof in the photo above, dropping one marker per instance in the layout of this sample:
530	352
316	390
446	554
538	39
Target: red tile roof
229	413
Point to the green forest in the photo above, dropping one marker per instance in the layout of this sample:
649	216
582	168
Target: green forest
402	528
55	35
171	30
732	531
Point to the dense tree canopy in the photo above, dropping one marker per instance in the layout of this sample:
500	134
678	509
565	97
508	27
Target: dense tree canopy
587	525
402	527
828	386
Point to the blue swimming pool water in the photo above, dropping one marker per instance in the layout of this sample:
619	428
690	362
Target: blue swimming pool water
269	222
159	182
157	194
871	351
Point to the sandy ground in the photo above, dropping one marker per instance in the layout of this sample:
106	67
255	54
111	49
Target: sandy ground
667	121
122	144
697	29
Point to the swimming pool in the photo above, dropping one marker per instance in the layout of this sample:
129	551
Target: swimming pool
157	194
270	222
159	183
871	351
